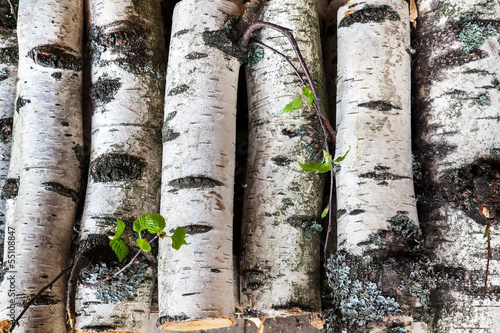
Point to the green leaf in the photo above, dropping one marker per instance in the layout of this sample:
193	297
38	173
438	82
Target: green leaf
341	158
155	223
320	167
143	244
309	94
325	212
120	228
178	238
119	247
292	106
141	223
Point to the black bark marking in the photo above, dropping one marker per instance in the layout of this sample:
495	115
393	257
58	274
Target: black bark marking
190	294
10	189
56	56
253	279
178	90
9	55
116	167
62	190
168	319
56	75
215	270
21	102
6	129
223	40
196	55
370	13
357	212
377	175
456	58
379	106
195	229
475	187
290	134
194	183
133	45
44	299
103	91
98	328
167	133
181	32
281	160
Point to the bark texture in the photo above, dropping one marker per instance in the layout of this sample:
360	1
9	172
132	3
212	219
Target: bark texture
379	276
457	126
49	105
196	282
126	51
281	225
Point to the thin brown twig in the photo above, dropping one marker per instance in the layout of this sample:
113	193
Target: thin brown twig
13	11
488	231
15	323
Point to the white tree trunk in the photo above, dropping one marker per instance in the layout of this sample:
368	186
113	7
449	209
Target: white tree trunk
376	209
281	223
49	105
127	74
196	282
458	78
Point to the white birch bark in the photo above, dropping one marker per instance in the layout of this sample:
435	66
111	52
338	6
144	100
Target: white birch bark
8	174
127	76
281	225
376	209
49	106
196	282
458	94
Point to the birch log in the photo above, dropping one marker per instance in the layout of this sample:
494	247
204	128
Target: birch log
380	261
199	131
280	231
127	72
49	106
458	142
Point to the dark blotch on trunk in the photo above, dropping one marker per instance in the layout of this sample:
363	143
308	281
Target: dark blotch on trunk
178	90
194	229
103	91
6	129
370	13
379	106
56	56
281	160
10	189
116	167
194	183
62	190
21	102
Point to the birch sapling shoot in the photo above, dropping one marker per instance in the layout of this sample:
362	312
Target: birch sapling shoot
281	199
458	146
49	105
126	51
376	210
199	134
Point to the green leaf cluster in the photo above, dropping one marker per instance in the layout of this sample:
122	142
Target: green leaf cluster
154	224
297	103
325	165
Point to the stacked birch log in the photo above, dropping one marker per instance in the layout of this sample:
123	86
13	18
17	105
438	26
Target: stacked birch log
391	269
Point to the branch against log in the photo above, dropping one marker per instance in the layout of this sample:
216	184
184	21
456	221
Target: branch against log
196	282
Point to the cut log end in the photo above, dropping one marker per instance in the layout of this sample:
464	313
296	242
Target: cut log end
198	324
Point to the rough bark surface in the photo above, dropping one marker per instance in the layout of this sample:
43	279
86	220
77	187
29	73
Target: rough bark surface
126	52
457	126
281	225
380	262
196	282
49	105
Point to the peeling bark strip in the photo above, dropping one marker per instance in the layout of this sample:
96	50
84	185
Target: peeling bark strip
457	99
278	271
127	60
375	198
116	167
56	56
196	282
51	33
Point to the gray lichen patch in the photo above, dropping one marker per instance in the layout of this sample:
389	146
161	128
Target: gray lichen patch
474	34
4	74
370	13
11	188
104	90
255	54
194	183
56	56
379	106
475	187
119	288
309	224
133	45
116	167
6	129
62	190
9	55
